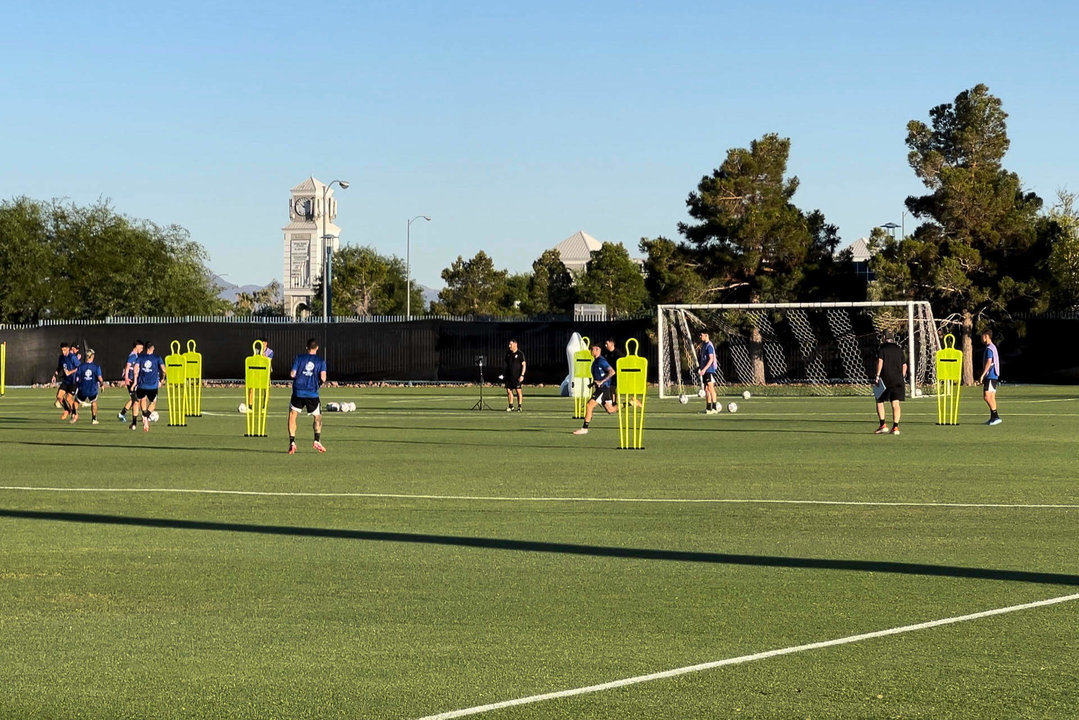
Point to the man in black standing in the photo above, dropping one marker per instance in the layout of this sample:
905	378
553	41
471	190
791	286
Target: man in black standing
514	374
889	385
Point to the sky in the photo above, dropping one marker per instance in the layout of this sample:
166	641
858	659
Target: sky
512	125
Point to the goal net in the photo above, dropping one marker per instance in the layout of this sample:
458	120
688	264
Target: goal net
794	348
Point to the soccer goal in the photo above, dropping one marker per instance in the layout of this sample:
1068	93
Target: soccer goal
794	348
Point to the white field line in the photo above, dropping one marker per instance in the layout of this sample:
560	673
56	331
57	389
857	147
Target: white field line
538	499
745	659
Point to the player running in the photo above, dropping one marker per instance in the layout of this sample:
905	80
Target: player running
89	385
69	381
129	380
308	374
602	380
149	374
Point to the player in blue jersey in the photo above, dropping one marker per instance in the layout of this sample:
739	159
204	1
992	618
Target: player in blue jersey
602	382
69	382
88	387
990	377
149	374
706	368
128	375
59	374
308	374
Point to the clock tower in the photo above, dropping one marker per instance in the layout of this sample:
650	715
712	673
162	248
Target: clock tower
311	212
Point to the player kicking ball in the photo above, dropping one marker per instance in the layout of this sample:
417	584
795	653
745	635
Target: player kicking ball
308	374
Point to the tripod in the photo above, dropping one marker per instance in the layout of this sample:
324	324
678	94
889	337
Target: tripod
481	404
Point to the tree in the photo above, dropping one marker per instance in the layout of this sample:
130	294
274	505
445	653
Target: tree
365	282
671	272
267	301
979	255
752	239
515	298
473	287
826	274
90	263
550	287
26	262
1063	218
611	278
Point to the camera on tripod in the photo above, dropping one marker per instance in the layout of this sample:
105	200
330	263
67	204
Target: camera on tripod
480	360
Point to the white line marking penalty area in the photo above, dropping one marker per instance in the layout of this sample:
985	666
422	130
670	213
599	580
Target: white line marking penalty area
744	659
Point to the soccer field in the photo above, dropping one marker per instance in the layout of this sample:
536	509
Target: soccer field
438	562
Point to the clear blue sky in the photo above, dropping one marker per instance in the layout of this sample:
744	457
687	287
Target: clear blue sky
512	124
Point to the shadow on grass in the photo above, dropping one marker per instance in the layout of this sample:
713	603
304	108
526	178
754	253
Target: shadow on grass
132	445
901	568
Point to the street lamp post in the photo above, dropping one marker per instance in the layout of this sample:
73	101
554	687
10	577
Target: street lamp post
408	265
326	268
890	226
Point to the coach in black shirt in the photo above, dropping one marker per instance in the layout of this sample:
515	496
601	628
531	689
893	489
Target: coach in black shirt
889	385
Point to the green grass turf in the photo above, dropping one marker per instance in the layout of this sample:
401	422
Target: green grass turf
443	589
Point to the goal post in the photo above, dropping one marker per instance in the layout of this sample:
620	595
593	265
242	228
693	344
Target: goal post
795	348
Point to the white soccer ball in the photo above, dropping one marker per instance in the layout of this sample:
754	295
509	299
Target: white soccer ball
917	392
242	408
154	417
352	407
683	399
746	395
333	407
732	407
700	393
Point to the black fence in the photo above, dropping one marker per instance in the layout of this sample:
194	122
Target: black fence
420	350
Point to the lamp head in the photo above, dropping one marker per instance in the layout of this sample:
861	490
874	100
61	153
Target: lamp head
343	184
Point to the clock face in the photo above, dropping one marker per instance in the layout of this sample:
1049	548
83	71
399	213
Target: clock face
303	207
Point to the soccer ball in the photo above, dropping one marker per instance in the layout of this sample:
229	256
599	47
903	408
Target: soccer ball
746	395
154	417
242	408
700	393
732	407
333	407
352	407
683	399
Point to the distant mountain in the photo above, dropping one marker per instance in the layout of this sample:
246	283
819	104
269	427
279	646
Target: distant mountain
228	291
429	294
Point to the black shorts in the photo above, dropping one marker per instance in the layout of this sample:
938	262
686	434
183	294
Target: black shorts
312	405
131	390
603	394
709	377
989	385
894	392
70	388
149	394
85	398
513	382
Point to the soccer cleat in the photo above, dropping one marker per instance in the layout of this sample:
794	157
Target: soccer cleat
509	409
146	424
580	431
882	430
94	421
64	414
318	446
121	417
520	409
74	419
292	448
994	421
895	431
